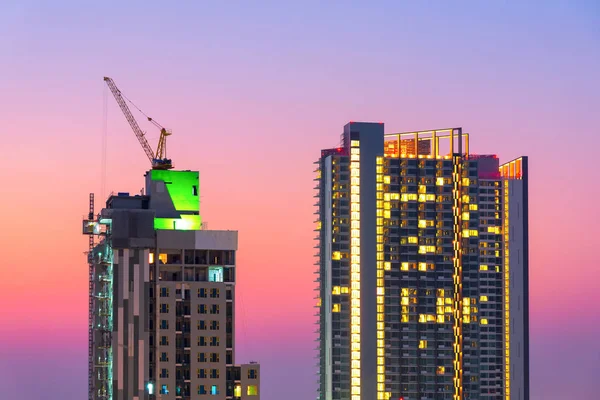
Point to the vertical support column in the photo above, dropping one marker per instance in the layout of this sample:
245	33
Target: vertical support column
457	347
416	144
506	232
381	213
355	327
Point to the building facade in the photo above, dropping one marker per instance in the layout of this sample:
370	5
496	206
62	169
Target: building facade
162	298
422	269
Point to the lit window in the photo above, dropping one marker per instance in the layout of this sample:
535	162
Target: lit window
337	307
441	370
214	390
422	344
484	321
336	255
164	389
237	391
483	298
215	274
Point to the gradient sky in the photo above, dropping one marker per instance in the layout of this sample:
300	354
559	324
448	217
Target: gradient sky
252	93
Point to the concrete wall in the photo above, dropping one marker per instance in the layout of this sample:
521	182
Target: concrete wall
207	240
247	381
519	282
130	327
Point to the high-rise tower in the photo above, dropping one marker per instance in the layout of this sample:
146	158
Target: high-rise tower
422	269
162	298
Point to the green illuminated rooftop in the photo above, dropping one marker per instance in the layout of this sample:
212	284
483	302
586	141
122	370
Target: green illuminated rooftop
175	196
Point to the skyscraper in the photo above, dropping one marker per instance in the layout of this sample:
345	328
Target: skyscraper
422	268
162	298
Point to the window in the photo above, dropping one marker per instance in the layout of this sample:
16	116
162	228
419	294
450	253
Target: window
202	357
214	325
201	341
214	341
201	373
164	373
214	357
202	308
164	308
164	324
214	309
164	341
202	292
252	374
194	190
201	325
237	391
164	389
214	373
252	390
214	293
214	390
164	292
201	389
215	274
164	357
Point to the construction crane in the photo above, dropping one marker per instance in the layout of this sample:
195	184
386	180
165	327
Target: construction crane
159	158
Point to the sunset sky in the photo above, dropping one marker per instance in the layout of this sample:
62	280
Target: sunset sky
252	93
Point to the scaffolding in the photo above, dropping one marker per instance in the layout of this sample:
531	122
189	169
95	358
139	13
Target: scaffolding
100	320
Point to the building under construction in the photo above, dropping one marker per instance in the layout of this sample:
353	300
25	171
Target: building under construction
162	295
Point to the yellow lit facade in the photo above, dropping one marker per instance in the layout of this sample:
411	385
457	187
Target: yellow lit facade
457	277
506	228
427	255
355	271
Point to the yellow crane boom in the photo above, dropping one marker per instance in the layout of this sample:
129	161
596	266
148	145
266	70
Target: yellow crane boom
159	158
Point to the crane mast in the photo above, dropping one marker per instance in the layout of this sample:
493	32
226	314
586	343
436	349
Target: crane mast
158	158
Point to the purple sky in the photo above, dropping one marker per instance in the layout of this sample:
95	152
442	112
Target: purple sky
253	92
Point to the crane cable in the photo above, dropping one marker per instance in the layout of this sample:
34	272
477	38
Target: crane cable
137	108
104	142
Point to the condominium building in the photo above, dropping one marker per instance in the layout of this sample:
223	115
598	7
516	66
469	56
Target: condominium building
422	268
162	298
